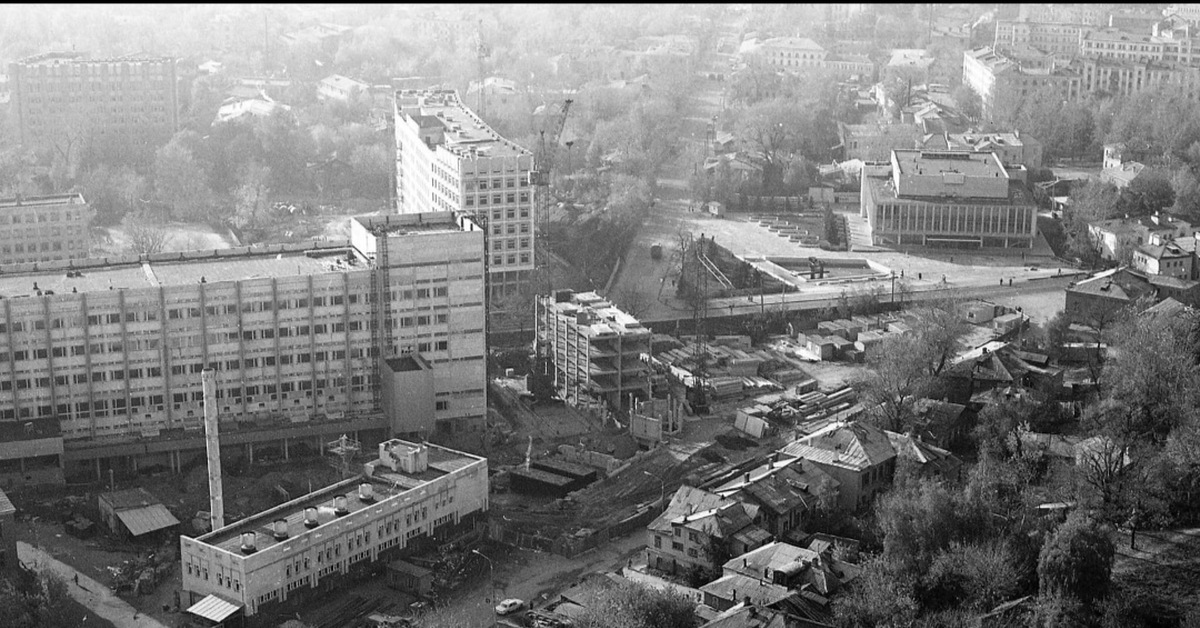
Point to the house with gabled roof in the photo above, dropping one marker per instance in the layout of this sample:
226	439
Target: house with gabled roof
682	537
785	489
931	461
858	455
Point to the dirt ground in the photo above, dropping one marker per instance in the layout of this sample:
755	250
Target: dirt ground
1162	572
181	237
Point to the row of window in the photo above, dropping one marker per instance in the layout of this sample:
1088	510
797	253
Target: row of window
498	260
496	199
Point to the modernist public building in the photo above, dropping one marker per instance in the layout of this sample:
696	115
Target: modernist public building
447	159
100	359
411	494
957	199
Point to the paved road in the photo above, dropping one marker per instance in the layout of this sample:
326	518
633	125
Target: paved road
544	574
97	597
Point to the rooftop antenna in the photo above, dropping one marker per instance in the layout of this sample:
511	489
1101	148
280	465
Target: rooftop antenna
343	449
212	443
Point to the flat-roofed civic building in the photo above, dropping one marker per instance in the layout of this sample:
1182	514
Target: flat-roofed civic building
955	199
412	493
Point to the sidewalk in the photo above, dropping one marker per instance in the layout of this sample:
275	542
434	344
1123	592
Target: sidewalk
97	597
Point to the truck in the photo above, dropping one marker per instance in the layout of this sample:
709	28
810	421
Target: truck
656	251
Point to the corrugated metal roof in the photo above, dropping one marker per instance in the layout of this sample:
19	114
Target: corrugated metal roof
214	608
147	519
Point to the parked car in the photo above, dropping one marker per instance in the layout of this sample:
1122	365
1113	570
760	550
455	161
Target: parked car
509	606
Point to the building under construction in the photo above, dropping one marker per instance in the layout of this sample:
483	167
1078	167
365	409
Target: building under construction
595	348
411	494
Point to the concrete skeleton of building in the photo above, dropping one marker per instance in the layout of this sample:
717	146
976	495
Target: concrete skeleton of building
44	228
381	334
954	199
412	493
447	159
127	106
595	348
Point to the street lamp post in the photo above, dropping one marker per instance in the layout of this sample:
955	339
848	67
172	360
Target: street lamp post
662	488
491	577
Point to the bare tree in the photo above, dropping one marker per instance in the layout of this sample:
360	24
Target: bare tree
633	301
146	235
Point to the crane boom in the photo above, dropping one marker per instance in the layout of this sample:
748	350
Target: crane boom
544	164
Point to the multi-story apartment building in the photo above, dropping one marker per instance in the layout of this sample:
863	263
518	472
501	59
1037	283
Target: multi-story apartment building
948	199
796	54
44	228
413	493
309	340
594	346
447	159
989	74
1050	37
1119	45
122	108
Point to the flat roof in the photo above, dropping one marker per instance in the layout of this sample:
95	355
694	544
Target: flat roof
385	484
608	319
214	608
463	129
931	162
42	201
175	269
884	191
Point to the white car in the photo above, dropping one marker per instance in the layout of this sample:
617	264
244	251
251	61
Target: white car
509	606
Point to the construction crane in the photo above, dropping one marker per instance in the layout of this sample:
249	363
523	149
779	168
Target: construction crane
481	53
544	166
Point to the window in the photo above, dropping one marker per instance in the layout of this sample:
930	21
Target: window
678	547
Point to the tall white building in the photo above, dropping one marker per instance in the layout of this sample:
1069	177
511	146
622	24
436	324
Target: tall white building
310	341
447	159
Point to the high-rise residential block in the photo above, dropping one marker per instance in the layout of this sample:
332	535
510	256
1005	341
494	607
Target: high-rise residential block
447	159
120	109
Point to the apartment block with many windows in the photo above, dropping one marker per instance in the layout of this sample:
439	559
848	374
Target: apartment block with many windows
122	109
44	228
309	341
447	159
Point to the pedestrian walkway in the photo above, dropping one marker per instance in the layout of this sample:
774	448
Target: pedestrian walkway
97	597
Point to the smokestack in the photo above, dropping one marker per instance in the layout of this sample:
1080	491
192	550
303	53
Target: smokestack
212	445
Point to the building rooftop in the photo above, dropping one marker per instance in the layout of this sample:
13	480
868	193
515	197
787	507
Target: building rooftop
966	163
397	225
851	444
464	133
799	43
386	484
42	201
61	57
173	269
595	316
343	82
